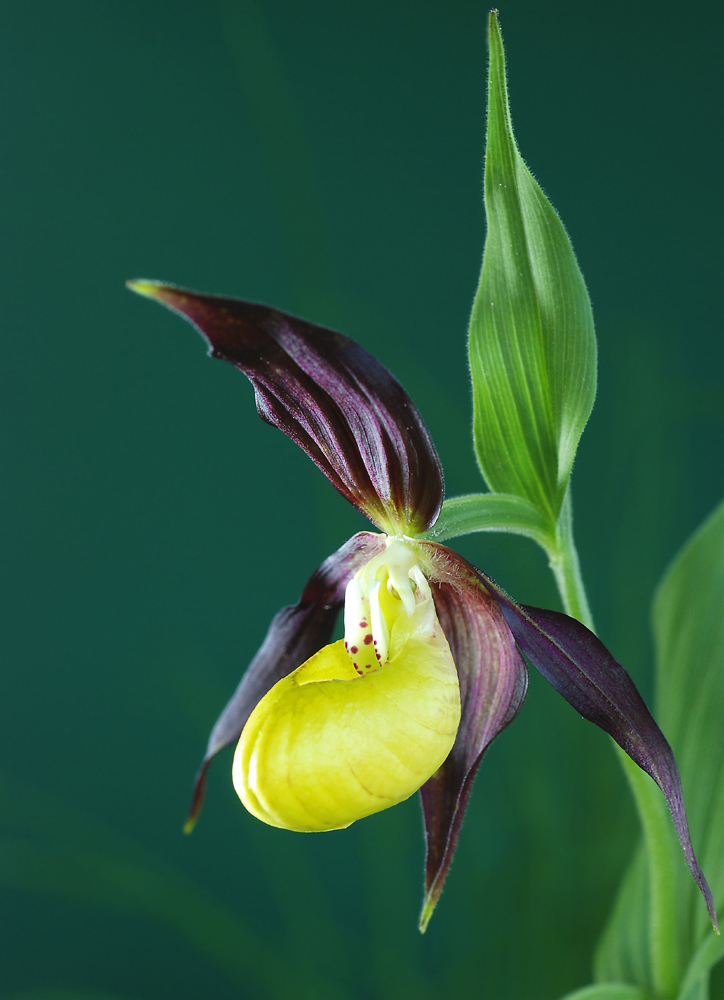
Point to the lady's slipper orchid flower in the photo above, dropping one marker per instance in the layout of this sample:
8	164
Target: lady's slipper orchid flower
430	669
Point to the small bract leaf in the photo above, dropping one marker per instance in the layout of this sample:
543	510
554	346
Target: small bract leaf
532	344
490	512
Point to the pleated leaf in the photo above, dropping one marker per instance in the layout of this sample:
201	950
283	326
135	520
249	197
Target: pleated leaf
532	344
623	949
688	621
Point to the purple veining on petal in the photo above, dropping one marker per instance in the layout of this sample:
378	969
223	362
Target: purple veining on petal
295	633
580	668
330	396
493	682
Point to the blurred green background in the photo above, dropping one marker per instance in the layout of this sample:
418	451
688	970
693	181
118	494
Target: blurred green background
325	158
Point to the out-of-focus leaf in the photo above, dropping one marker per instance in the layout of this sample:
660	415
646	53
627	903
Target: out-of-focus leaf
623	950
47	846
688	622
532	344
696	981
490	512
61	995
120	885
699	992
608	991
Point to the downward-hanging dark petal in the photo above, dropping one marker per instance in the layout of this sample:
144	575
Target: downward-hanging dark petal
345	409
580	668
295	633
493	681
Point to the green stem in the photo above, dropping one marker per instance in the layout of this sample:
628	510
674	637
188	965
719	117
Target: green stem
655	819
567	569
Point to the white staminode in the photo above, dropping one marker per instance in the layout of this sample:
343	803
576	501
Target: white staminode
356	609
380	631
366	631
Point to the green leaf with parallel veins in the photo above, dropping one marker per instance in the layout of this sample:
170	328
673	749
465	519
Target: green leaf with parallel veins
532	345
688	624
696	981
623	950
490	512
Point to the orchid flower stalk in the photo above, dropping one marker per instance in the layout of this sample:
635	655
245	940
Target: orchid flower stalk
432	667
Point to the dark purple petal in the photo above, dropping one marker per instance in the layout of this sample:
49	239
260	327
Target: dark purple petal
345	409
493	681
296	633
580	668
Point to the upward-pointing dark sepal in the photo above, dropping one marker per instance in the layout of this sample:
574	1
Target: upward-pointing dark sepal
330	396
